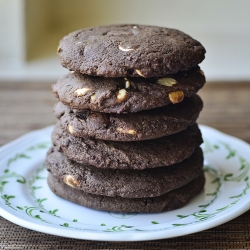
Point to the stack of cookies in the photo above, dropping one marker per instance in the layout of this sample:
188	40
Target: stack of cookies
126	138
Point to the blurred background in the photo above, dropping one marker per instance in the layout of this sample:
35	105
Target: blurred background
30	31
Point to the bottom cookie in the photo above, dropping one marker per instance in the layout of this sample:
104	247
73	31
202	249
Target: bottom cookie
169	201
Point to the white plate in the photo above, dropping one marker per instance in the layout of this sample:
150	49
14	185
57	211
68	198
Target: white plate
27	201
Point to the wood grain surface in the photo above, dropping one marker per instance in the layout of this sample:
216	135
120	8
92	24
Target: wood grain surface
28	106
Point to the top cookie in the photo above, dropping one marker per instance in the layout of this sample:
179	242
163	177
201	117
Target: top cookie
129	51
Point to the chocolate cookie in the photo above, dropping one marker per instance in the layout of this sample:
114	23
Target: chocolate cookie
139	155
121	95
129	50
124	183
169	201
143	125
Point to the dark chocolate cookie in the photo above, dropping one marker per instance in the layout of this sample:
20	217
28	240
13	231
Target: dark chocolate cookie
143	125
129	50
169	201
138	155
124	183
121	95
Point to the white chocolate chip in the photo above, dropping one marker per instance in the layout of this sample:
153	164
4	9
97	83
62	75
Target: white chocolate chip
71	181
167	81
127	131
176	96
139	72
72	71
201	71
125	49
135	27
131	132
93	98
81	92
121	96
70	128
127	84
78	42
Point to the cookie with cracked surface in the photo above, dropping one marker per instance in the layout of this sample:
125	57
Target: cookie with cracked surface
169	201
122	95
138	155
144	125
129	51
124	183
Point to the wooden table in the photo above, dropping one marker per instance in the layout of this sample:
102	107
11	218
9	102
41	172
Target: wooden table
28	106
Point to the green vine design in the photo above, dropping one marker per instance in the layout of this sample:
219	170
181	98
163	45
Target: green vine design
7	198
208	147
20	179
29	211
33	188
121	228
43	145
16	157
231	153
3	181
244	165
200	214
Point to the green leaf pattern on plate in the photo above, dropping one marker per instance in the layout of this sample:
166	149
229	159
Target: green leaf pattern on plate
208	148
